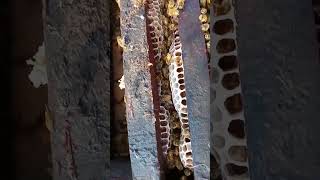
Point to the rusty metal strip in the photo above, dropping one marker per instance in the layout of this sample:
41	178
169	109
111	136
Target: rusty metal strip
197	87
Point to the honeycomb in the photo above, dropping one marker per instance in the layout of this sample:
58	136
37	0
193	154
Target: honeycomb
162	23
165	129
178	90
155	27
229	148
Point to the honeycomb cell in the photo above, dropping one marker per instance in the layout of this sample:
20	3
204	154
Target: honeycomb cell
183	94
235	170
215	156
213	95
178	53
237	129
214	75
217	114
226	46
223	26
221	9
231	81
189	161
184	102
185	126
227	63
184	148
233	104
173	79
180	70
187	140
164	142
215	171
218	2
218	141
163	123
187	172
164	135
184	120
238	153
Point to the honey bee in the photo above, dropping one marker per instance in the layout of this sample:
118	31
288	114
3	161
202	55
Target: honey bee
203	3
203	11
138	3
168	58
187	172
203	18
173	11
118	2
121	43
205	27
208	3
184	178
207	36
178	164
180	4
48	119
167	98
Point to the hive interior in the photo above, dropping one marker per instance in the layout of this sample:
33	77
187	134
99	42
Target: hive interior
228	151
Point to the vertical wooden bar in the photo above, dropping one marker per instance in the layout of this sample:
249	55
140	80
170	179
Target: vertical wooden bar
138	93
78	51
197	87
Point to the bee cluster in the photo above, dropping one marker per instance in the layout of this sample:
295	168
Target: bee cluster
205	22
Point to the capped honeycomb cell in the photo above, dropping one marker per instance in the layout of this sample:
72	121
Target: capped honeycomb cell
238	153
218	141
221	7
235	170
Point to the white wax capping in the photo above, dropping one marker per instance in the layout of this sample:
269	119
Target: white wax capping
121	81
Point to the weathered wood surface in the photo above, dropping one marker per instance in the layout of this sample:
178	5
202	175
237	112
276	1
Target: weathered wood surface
197	87
77	48
280	75
138	93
